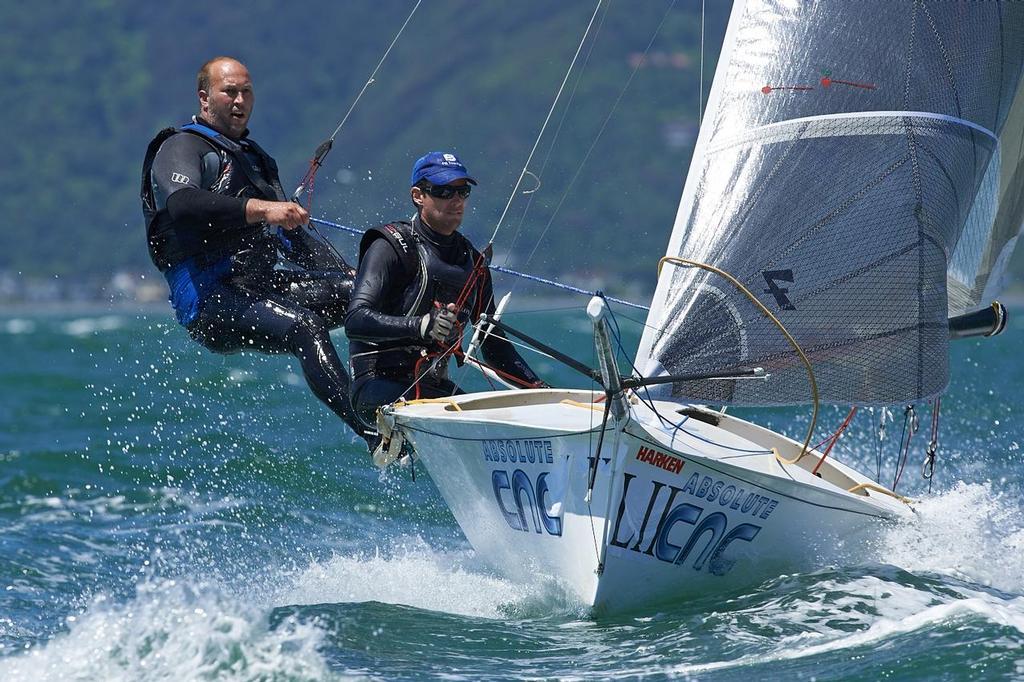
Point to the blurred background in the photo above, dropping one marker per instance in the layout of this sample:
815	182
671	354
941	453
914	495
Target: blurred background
87	85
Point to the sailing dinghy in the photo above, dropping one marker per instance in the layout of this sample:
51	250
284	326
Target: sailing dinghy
857	182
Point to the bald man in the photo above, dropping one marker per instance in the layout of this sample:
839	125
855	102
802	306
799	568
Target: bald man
218	223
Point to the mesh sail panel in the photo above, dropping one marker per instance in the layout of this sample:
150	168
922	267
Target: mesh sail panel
847	148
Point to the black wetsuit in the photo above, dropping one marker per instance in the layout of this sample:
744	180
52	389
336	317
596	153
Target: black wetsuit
226	286
403	270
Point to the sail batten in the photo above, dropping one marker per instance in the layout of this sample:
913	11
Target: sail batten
852	173
864	115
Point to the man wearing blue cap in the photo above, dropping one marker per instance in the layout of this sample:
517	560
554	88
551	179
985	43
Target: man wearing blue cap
404	315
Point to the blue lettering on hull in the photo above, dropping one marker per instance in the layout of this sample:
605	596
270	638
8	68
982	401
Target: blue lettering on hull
709	534
518	451
523	504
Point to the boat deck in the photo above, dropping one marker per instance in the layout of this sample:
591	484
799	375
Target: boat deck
692	431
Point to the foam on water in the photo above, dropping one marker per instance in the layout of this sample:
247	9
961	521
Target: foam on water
18	325
188	628
882	630
87	326
78	503
834	612
972	532
416	575
173	630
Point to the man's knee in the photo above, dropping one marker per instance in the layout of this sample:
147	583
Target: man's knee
369	393
307	330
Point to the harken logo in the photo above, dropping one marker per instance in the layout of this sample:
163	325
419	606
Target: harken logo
450	159
651	456
179	178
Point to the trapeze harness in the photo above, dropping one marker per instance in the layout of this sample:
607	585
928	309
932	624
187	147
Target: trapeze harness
431	279
224	285
193	257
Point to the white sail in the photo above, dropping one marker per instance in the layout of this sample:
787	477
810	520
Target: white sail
849	160
977	266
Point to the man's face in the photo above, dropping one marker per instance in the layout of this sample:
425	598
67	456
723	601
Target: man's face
442	215
227	105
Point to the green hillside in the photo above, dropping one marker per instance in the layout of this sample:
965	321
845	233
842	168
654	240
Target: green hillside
87	84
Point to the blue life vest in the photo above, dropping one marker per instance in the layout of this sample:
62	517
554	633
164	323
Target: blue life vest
192	267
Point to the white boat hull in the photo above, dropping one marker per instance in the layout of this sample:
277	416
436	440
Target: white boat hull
675	510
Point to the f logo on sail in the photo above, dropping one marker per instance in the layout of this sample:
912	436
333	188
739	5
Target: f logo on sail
770	276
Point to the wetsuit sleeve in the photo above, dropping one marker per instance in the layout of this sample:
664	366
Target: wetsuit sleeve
496	349
380	280
183	168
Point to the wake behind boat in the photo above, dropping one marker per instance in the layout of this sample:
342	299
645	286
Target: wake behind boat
850	207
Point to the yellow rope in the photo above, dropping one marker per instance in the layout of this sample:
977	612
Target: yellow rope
427	401
807	363
879	489
589	406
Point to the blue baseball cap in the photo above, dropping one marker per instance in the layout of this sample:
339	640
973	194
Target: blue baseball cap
439	168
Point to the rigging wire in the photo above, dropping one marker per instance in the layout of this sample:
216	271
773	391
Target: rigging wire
508	271
675	260
910	426
884	415
566	287
480	267
928	466
648	400
325	146
700	90
557	133
540	135
833	439
600	132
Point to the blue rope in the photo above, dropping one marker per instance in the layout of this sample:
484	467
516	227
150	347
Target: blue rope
507	271
336	226
567	287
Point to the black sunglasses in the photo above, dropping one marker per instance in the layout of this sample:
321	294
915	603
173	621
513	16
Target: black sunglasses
447	191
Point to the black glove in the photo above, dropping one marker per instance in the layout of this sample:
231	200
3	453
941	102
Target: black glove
437	325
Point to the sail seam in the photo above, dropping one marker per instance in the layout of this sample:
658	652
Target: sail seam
836	212
911	45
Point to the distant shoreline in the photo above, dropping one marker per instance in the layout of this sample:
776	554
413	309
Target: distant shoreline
1012	299
84	308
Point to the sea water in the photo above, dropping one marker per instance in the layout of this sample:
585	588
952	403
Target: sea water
166	513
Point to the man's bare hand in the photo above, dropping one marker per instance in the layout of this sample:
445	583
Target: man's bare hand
287	214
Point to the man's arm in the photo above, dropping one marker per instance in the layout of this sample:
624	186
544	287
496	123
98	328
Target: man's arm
184	166
380	279
498	352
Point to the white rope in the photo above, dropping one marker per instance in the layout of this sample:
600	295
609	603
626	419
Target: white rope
540	135
373	75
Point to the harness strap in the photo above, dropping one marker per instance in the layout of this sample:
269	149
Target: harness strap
271	192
